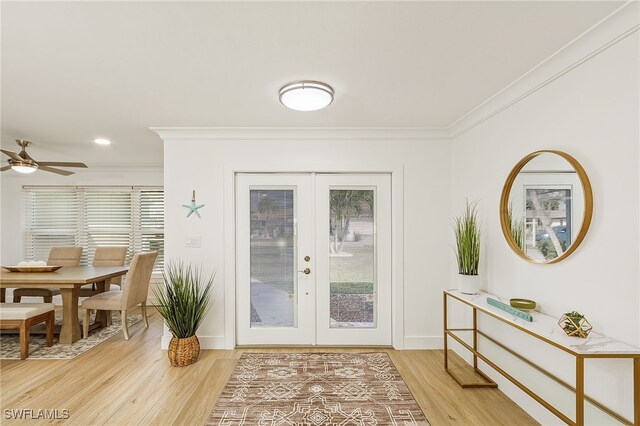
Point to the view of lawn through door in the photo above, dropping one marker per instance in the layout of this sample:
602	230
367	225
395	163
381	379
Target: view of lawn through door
351	252
351	258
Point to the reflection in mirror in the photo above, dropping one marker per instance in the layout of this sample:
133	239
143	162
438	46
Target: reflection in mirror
548	203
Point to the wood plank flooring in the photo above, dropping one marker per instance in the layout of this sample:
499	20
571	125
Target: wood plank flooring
123	383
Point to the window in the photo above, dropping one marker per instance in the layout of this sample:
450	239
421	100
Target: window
92	216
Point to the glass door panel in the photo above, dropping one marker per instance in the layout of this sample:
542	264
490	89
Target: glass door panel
352	262
274	222
272	245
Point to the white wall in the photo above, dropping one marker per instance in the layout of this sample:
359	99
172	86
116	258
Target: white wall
12	209
591	112
426	212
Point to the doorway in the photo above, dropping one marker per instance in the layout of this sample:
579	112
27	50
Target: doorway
313	262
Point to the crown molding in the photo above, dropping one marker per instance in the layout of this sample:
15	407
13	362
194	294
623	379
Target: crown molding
617	26
299	133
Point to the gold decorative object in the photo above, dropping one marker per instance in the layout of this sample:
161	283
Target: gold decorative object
506	221
575	324
523	304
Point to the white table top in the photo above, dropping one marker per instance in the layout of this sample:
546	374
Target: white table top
547	328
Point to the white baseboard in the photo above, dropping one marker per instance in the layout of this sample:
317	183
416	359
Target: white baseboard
206	342
423	342
410	342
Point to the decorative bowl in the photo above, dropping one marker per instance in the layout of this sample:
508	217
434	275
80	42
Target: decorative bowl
48	268
524	304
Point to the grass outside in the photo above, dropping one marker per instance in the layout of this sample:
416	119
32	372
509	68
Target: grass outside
271	263
352	288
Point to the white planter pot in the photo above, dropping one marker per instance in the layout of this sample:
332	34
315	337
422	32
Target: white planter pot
469	284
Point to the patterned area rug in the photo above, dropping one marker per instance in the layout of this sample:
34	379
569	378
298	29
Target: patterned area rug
316	389
10	348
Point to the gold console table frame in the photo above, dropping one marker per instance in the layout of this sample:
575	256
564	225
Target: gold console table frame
630	353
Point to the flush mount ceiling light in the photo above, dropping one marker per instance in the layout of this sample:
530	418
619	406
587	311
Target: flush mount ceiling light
306	95
102	141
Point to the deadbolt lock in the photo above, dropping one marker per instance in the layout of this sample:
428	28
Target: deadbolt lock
307	258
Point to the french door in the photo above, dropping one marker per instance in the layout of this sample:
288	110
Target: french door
313	259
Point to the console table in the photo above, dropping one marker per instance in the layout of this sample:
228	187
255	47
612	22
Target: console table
545	329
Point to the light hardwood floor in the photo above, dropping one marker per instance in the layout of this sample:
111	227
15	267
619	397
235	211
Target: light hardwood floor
122	383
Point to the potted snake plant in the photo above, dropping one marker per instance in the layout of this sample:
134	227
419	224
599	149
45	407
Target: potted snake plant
467	232
183	300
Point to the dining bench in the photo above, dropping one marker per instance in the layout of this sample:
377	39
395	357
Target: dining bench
21	316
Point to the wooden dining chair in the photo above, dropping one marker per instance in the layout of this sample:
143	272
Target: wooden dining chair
106	256
134	292
58	256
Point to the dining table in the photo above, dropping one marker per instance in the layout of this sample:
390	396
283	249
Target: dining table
69	279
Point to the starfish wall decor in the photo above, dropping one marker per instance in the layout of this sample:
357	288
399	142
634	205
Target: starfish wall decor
193	208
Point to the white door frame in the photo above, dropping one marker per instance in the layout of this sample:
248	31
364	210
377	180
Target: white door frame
396	170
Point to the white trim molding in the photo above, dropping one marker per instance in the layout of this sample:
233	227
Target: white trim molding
299	133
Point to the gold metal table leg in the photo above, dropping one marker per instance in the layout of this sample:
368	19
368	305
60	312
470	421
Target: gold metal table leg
444	333
579	391
488	383
636	391
475	339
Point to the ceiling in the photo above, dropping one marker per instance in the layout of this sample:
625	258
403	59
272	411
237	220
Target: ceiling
74	71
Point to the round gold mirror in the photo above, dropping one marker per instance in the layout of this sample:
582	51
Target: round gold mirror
546	206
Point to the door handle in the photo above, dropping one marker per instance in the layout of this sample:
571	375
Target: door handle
306	271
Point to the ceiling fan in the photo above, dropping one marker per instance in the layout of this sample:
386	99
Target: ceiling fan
23	163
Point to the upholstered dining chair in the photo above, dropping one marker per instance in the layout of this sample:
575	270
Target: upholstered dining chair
58	256
106	256
134	292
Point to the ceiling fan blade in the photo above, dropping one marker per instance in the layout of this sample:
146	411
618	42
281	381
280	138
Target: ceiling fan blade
61	164
54	170
5	168
13	155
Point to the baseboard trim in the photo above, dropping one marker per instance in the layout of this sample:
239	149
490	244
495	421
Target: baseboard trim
410	342
423	342
206	342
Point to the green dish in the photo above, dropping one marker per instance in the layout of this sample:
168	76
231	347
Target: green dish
524	304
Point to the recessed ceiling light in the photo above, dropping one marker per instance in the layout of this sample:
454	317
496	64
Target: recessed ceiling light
306	95
102	141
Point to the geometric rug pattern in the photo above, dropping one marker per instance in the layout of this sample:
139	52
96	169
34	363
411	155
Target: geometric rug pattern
10	348
269	389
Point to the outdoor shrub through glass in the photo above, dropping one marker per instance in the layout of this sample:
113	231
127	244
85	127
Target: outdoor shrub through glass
352	260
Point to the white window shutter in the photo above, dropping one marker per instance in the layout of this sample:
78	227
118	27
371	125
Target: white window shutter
93	216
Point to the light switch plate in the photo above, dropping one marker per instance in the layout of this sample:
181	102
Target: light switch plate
193	242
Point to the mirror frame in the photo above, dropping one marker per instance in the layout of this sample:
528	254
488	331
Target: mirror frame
586	217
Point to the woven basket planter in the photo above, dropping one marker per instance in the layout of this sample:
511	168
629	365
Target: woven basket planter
183	352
